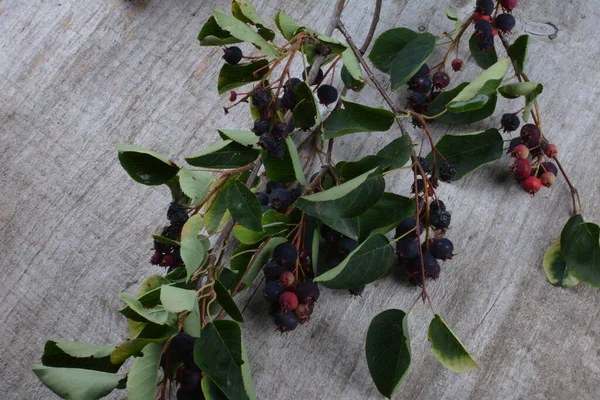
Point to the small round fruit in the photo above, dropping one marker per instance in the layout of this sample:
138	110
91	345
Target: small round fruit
530	134
510	122
548	179
286	321
289	100
531	185
440	219
275	148
437	205
441	248
447	172
425	164
260	126
423	71
505	22
263	198
232	55
261	97
307	292
521	168
408	225
303	312
280	200
288	301
168	260
272	185
327	94
318	79
272	291
441	79
429	263
485	6
421	84
457	64
551	150
286	279
485	41
156	258
483	27
285	254
520	151
290	84
232	96
280	131
273	270
407	249
549	167
508	5
183	347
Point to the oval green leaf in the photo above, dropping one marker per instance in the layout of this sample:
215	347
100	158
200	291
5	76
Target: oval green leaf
448	349
286	25
78	384
195	184
244	207
409	60
141	380
241	31
176	300
227	302
211	34
388	45
233	76
355	117
528	89
555	267
223	155
79	355
484	59
144	166
518	52
462	118
580	244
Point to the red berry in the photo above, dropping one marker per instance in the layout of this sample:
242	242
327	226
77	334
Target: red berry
288	301
521	168
520	151
233	95
548	179
457	64
440	79
156	258
530	134
303	312
551	150
478	15
531	185
508	5
168	260
286	279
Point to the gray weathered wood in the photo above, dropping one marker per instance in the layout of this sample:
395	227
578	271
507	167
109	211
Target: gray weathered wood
80	76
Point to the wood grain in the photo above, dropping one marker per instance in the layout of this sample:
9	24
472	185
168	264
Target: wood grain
79	77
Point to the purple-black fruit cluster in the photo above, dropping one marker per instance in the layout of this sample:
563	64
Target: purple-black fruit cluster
425	88
277	197
337	248
189	376
484	31
167	255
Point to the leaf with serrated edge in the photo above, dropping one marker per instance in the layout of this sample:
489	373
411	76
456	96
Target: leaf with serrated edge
233	76
195	184
211	34
243	32
517	89
448	349
410	59
580	244
143	374
78	384
555	267
286	25
518	52
245	138
244	207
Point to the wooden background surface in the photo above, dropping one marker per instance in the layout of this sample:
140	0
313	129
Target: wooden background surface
77	77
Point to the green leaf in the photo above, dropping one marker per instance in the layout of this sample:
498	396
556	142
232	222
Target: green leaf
306	113
476	94
580	244
211	34
471	151
78	384
244	206
351	71
245	138
451	14
347	170
518	52
79	355
528	89
279	169
388	350
226	301
245	11
461	118
410	59
349	199
218	353
157	314
448	349
193	251
286	25
223	155
355	117
166	240
484	59
192	322
195	184
144	166
273	223
176	300
388	45
233	76
367	263
396	153
384	216
243	32
295	158
217	207
211	391
141	381
177	194
151	333
555	267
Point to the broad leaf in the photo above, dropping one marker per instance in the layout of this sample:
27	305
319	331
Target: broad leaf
388	350
367	263
211	34
176	300
145	166
157	314
349	199
218	353
451	14
580	244
286	25
279	170
143	374
476	94
295	158
233	76
79	355
306	112
555	267
518	52
347	170
195	184
396	153
388	45
484	59
149	334
528	89
193	250
273	223
448	349
355	117
211	391
192	322
471	151
244	206
245	12
243	32
411	58
227	302
461	118
223	155
351	71
245	138
78	384
217	207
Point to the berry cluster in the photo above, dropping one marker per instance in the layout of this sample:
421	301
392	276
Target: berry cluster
426	88
535	173
189	376
165	254
485	28
277	197
337	248
291	300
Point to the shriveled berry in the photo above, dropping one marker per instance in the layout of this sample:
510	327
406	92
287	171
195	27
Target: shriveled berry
485	6
272	291
285	254
549	167
447	172
303	312
327	94
286	321
275	148
408	225
441	248
530	133
286	279
551	150
440	219
347	245
357	291
288	301
407	249
305	259
508	5
273	270
425	164
520	151
280	131
505	22
318	79
418	99
272	185
531	185
548	179
457	64
510	122
232	96
421	84
232	55
156	258
307	292
261	97
260	126
441	79
521	168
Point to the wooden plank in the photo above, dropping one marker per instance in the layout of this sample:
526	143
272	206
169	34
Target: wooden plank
79	77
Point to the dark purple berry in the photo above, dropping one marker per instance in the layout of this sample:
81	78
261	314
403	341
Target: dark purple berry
272	291
440	219
263	198
285	254
423	71
168	260
289	100
357	291
286	321
275	148
307	292
195	394
327	94
408	225
261	97
280	200
485	41
441	248
447	172
505	22
280	131
295	193
437	205
260	126
189	378
290	84
273	270
318	79
430	265
483	27
332	237
510	122
177	214
347	245
548	167
441	79
421	84
183	347
265	208
530	134
513	144
272	185
418	99
485	6
407	249
232	55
